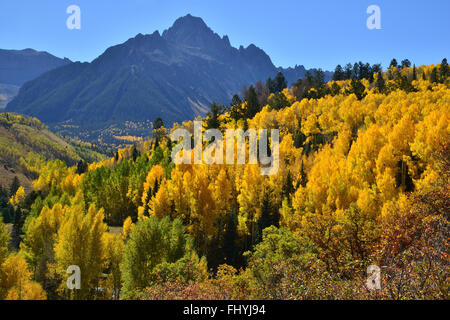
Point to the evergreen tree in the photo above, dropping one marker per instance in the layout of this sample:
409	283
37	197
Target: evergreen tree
443	70
393	63
414	77
348	71
434	75
271	85
318	79
158	123
303	177
16	234
135	153
288	187
252	103
405	64
380	84
82	167
335	89
15	185
338	73
355	71
357	88
236	100
229	240
212	121
267	218
280	82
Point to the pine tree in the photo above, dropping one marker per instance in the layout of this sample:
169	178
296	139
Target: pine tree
15	184
135	153
230	238
279	82
303	177
288	187
357	88
414	77
393	63
252	103
380	84
434	76
158	123
212	121
444	70
405	64
82	167
266	219
338	73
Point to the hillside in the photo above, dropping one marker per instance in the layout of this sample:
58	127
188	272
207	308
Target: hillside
26	144
20	66
175	75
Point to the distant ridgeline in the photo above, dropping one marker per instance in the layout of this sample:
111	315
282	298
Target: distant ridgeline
20	66
175	76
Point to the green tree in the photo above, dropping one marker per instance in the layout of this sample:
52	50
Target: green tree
278	250
278	101
212	120
159	250
405	64
230	238
158	123
444	70
393	63
357	88
253	106
338	73
15	185
434	75
280	82
82	167
4	241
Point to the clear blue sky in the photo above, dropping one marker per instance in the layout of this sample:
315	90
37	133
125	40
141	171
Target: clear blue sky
313	33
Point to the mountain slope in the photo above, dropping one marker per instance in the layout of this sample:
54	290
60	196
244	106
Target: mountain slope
175	76
20	66
26	143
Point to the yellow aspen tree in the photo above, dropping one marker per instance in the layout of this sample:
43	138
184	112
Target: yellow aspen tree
151	186
18	198
128	226
82	242
15	281
251	194
40	239
114	254
202	206
160	205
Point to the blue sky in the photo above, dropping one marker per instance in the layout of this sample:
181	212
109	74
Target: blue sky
313	33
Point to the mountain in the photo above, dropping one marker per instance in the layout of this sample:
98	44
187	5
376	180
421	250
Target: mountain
26	143
20	66
175	75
